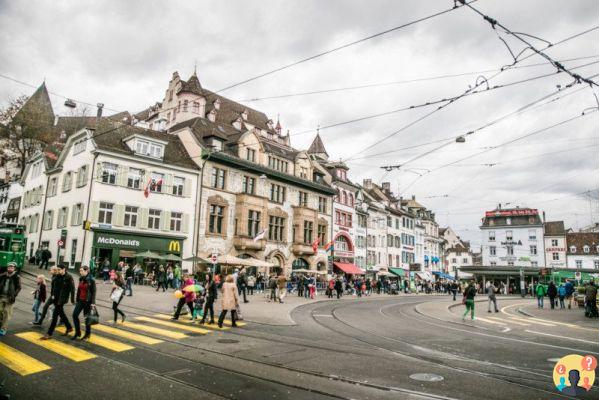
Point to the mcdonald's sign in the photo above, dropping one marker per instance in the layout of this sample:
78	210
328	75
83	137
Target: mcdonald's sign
175	246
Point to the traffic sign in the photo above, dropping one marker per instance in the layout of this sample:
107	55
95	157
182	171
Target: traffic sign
60	243
213	258
578	275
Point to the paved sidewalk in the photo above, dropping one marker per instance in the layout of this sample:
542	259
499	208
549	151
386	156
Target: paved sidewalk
258	310
573	316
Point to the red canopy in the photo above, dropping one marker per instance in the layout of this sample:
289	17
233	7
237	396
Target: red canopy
351	269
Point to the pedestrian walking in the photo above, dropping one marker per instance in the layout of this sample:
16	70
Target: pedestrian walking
129	274
116	295
330	288
242	285
230	301
45	255
86	298
10	286
590	294
39	297
170	277
177	276
251	284
211	294
561	292
188	298
282	287
338	287
540	291
161	279
469	294
49	299
106	270
63	290
491	290
272	285
552	294
454	289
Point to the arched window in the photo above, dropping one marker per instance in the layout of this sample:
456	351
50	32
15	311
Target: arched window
300	263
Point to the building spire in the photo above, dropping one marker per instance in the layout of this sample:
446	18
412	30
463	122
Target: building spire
317	147
278	127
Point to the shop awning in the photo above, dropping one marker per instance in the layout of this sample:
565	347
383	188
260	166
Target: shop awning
351	269
425	275
443	275
398	271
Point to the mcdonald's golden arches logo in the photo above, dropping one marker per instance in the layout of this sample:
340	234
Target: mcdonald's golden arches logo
174	245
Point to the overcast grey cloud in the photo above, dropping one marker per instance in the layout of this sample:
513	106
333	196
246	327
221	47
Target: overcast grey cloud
123	54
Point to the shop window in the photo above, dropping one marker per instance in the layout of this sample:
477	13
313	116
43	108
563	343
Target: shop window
215	222
130	216
276	227
154	218
134	178
109	171
176	221
178	183
105	213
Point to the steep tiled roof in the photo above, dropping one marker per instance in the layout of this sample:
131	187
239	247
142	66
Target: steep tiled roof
317	146
38	106
204	128
192	85
555	228
581	239
279	150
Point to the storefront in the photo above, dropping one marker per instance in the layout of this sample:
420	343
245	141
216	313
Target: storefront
123	246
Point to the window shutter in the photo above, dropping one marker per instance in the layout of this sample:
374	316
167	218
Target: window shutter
185	223
165	220
143	218
82	216
120	215
73	213
99	170
66	217
94	209
84	177
168	183
187	187
123	173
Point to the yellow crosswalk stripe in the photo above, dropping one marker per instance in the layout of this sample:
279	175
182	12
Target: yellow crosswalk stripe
531	321
174	325
126	334
490	322
19	362
152	329
58	347
104	342
187	321
238	323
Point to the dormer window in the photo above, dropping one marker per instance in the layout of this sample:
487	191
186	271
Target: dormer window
244	115
212	115
341	174
215	143
572	249
217	104
149	149
586	249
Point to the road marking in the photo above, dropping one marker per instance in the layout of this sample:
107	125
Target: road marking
528	320
187	321
510	306
104	342
20	362
238	323
174	325
151	329
491	322
562	337
126	334
58	347
322	315
512	321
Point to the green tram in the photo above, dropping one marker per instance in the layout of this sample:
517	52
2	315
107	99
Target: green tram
12	245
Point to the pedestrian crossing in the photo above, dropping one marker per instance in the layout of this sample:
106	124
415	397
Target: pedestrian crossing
515	321
118	338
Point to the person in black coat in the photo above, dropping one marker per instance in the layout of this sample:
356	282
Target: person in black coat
552	293
86	298
10	286
62	291
338	287
211	294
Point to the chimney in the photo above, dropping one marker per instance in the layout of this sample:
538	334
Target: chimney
543	216
413	197
99	113
386	186
368	183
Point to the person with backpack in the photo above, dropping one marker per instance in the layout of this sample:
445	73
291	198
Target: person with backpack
541	292
86	298
10	286
62	290
569	292
469	294
45	255
561	292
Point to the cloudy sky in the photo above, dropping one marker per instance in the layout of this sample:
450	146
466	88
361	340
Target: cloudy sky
123	54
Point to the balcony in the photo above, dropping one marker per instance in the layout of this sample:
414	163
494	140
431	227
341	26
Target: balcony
302	249
248	243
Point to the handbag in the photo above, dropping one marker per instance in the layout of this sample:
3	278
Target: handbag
238	312
116	294
93	317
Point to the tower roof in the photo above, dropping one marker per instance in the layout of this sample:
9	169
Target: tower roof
192	85
317	147
38	107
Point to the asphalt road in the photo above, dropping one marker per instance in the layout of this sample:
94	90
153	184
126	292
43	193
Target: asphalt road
348	349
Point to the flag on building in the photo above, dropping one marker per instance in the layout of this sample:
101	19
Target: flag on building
315	244
329	246
152	186
260	235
